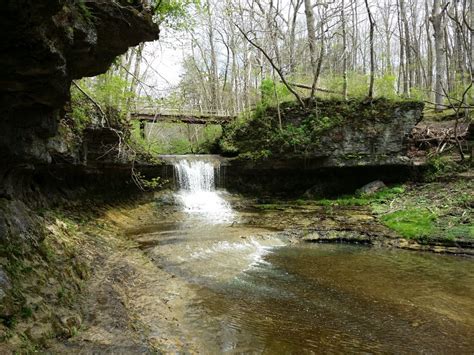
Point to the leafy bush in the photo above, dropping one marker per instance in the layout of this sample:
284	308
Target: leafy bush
440	166
273	93
385	86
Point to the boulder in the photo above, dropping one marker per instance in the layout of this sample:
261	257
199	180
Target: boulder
371	188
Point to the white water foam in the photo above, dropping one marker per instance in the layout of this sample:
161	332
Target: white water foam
251	250
197	190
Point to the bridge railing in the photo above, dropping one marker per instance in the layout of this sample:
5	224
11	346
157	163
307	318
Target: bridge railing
175	112
150	108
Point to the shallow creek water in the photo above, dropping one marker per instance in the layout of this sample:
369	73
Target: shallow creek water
253	292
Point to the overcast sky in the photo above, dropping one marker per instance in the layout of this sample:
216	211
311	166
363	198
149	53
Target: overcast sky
165	58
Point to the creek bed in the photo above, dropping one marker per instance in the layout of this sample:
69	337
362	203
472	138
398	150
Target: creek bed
255	291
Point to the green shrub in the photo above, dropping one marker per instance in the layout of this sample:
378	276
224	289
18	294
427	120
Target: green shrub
385	86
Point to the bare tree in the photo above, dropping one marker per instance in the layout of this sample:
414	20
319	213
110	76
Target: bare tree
372	53
438	21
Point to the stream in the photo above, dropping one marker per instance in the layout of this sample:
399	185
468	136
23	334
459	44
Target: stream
255	292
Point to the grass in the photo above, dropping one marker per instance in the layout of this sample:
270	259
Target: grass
414	223
381	196
428	212
432	211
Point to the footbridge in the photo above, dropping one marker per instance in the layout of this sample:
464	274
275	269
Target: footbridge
159	114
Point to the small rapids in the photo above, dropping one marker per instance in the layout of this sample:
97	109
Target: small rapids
214	245
250	290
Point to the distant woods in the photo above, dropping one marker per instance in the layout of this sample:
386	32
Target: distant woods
239	53
420	49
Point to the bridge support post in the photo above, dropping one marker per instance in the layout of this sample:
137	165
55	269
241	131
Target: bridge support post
142	129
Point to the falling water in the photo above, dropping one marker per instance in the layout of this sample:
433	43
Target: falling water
196	178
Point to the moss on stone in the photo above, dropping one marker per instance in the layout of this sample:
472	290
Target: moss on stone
306	131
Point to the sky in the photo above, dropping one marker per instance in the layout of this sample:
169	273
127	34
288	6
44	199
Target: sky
165	58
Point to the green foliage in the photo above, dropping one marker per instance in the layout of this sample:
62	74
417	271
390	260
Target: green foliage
414	223
435	211
301	127
208	143
381	196
175	14
439	166
148	184
273	93
84	10
112	91
26	312
458	89
140	143
256	155
82	112
418	94
385	86
357	86
176	138
179	146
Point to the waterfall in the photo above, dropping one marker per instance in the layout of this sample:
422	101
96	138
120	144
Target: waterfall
196	175
196	179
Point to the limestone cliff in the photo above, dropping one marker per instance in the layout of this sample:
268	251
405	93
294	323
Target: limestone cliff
327	132
45	44
335	145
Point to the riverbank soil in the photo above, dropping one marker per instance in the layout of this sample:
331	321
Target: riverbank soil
92	290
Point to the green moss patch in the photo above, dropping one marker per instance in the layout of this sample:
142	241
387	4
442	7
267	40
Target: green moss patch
412	223
432	211
381	196
295	130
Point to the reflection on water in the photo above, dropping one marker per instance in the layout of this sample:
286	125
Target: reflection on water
341	298
256	294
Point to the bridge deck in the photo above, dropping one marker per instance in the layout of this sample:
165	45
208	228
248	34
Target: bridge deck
183	118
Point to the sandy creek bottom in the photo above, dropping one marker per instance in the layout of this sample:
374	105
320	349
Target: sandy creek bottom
251	291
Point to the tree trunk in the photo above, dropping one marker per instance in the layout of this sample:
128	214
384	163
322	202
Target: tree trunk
308	10
429	44
437	20
372	54
344	52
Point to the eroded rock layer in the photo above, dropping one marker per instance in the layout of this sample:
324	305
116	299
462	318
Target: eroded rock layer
45	45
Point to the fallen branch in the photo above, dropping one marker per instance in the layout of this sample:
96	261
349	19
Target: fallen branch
307	87
96	104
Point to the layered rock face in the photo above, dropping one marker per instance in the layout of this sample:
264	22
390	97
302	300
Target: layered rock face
45	44
328	132
377	140
336	146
